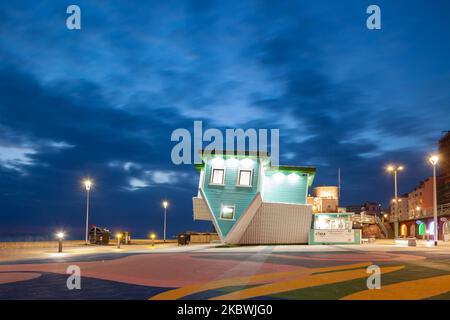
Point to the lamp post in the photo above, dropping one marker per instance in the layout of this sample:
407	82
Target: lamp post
118	236
153	236
395	169
87	185
60	236
434	159
165	205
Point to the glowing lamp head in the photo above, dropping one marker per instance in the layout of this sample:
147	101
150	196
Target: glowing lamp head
165	204
434	159
390	168
87	184
118	235
152	236
60	235
400	168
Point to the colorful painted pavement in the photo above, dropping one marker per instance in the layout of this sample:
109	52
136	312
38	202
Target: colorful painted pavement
262	274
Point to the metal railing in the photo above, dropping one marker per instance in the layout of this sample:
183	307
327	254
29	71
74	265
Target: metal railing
364	218
370	219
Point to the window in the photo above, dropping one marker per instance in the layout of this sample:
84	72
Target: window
245	178
217	176
227	212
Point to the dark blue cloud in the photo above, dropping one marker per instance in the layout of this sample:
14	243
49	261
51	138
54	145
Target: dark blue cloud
103	101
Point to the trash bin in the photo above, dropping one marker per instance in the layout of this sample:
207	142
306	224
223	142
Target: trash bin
182	239
99	236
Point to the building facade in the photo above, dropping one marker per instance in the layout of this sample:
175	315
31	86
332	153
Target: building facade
369	208
324	199
444	169
249	201
420	200
416	213
403	209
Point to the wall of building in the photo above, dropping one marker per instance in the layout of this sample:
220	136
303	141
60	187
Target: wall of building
326	199
403	207
328	192
415	202
285	187
279	223
444	170
229	194
420	201
369	208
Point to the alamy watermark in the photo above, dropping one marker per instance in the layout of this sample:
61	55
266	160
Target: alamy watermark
73	22
374	280
74	280
373	22
190	149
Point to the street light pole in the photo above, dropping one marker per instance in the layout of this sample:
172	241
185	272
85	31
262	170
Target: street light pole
396	203
60	236
395	169
87	184
165	204
434	159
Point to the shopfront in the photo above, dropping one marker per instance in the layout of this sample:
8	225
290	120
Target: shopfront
334	228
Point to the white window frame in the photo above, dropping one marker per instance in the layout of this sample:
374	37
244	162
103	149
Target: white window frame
239	175
211	180
230	206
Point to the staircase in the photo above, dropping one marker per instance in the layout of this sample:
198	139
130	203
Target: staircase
369	219
382	226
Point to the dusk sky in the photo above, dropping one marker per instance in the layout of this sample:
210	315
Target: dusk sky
102	102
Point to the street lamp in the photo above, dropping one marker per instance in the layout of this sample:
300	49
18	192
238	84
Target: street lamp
165	205
118	236
434	159
87	184
153	236
395	169
60	236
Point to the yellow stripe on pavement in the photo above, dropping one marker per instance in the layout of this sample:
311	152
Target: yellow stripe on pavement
248	280
300	283
406	290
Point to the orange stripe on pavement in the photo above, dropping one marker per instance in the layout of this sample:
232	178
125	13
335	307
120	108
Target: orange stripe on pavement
406	290
300	283
255	279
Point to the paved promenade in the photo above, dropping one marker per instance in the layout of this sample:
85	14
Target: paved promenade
212	272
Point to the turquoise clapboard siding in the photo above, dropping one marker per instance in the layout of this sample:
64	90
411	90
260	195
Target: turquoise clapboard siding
285	187
230	194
